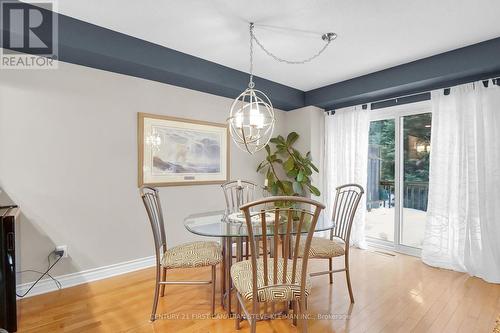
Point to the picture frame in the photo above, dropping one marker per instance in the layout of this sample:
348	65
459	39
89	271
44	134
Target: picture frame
176	151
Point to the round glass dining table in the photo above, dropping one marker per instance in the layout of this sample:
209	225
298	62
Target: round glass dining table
233	233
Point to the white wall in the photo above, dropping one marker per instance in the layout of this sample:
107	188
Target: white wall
308	122
68	157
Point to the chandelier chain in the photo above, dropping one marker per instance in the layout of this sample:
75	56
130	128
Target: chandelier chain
275	57
251	84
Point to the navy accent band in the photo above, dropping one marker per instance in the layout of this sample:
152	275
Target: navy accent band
90	45
93	46
470	63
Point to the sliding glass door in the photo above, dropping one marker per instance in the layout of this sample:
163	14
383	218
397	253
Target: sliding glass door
381	174
416	130
398	176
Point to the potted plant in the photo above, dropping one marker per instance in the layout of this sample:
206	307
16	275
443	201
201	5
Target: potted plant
288	172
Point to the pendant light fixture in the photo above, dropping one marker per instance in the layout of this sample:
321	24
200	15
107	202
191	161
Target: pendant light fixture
251	120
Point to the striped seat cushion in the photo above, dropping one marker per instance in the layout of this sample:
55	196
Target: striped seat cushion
241	273
323	247
195	254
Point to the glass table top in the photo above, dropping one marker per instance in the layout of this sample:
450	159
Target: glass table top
216	224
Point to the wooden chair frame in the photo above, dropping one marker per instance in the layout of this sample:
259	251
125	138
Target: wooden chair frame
290	252
345	206
151	199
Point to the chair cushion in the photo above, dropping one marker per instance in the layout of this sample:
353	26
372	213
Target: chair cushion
195	254
323	247
241	274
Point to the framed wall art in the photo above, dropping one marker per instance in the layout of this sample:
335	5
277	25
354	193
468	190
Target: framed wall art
176	151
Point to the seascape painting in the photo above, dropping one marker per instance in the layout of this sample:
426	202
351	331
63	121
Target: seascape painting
187	151
175	151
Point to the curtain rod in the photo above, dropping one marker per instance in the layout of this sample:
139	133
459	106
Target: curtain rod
414	98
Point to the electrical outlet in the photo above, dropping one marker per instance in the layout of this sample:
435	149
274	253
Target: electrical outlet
63	248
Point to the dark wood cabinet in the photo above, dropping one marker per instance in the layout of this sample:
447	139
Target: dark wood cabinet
8	307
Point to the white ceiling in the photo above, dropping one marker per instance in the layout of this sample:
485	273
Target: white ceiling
373	34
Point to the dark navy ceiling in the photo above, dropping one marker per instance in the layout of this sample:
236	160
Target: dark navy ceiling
89	45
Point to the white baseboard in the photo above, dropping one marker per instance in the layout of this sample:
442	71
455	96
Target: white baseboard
73	279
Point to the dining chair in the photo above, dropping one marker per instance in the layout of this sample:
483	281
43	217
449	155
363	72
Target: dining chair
188	255
277	277
237	193
346	202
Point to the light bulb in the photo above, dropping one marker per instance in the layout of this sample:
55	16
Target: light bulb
260	121
238	120
251	120
256	117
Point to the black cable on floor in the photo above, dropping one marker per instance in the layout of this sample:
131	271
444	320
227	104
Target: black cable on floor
50	266
56	282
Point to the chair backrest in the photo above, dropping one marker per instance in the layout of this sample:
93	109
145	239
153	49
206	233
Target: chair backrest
151	199
237	196
346	203
289	214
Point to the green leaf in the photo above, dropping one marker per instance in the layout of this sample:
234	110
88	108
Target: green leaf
274	189
289	164
297	188
280	185
307	170
268	149
300	176
280	148
313	166
291	138
314	190
270	176
292	173
261	165
287	187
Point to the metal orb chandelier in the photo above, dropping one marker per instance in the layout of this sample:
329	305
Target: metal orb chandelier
251	120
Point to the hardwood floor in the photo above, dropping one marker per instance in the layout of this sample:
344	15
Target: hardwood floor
392	294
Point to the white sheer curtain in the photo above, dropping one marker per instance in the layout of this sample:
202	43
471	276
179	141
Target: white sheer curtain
345	160
463	216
